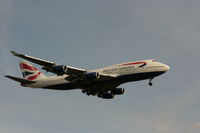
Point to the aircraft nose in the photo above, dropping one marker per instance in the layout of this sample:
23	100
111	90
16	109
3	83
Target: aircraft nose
167	67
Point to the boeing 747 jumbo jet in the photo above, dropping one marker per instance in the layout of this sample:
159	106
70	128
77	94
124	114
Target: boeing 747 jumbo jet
101	82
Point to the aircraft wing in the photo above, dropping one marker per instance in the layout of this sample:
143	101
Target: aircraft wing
34	60
73	72
48	65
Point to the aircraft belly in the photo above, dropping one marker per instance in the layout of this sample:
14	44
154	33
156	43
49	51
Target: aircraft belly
65	86
138	76
132	77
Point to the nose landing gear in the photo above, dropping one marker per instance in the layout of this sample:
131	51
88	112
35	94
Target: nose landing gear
150	82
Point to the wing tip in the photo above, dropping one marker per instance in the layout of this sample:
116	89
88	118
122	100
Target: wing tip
14	53
7	76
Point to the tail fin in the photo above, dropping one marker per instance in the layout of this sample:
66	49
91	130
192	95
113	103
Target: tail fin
29	72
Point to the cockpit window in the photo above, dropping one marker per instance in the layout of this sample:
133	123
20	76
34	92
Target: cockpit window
142	65
154	60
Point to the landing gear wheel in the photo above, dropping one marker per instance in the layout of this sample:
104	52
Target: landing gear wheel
84	91
150	83
88	93
99	95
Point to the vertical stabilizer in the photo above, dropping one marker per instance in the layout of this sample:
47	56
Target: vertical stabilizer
29	72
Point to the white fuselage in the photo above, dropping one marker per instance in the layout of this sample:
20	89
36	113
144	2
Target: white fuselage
125	72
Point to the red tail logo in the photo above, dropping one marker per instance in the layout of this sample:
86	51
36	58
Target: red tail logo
25	66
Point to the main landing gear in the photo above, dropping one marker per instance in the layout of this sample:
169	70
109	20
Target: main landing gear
86	91
150	82
89	92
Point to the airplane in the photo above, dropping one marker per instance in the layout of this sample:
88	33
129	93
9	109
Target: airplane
101	82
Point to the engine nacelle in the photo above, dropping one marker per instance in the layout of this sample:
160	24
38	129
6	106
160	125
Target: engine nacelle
118	91
60	69
108	95
92	75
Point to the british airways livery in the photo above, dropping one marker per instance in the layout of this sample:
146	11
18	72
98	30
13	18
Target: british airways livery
101	82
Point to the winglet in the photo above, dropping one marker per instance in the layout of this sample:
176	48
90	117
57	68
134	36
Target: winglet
14	53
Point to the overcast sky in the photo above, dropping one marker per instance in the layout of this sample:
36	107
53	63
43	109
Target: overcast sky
91	34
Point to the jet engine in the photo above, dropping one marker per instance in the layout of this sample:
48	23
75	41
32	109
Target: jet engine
118	91
60	69
92	75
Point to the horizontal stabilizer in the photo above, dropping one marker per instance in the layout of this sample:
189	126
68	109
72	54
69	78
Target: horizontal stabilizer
21	80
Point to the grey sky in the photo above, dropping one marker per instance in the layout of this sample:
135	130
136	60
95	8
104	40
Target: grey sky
92	34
